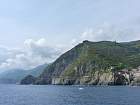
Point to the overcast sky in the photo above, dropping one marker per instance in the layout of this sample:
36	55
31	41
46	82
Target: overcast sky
41	30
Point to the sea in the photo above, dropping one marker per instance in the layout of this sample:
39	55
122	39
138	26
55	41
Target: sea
68	95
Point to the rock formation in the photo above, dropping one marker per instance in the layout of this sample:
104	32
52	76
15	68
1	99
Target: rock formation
94	63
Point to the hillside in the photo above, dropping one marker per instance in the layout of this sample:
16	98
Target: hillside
91	63
15	75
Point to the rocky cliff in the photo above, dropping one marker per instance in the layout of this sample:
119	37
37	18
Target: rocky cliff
96	63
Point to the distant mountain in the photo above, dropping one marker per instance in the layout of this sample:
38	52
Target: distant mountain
91	63
37	70
15	75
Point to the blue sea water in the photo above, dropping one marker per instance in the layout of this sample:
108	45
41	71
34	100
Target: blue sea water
68	95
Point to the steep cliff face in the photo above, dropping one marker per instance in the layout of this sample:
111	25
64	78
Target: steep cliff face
91	62
55	69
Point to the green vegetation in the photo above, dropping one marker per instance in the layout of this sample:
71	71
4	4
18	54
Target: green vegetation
88	57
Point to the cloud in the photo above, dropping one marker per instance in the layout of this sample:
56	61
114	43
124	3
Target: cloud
34	53
41	48
107	32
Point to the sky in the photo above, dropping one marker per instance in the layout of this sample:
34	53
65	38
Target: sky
33	32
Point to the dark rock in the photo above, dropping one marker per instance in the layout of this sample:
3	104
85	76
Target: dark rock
28	80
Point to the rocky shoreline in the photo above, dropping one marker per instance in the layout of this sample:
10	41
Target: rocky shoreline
121	77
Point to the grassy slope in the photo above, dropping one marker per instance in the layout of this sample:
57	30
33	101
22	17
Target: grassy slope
88	57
